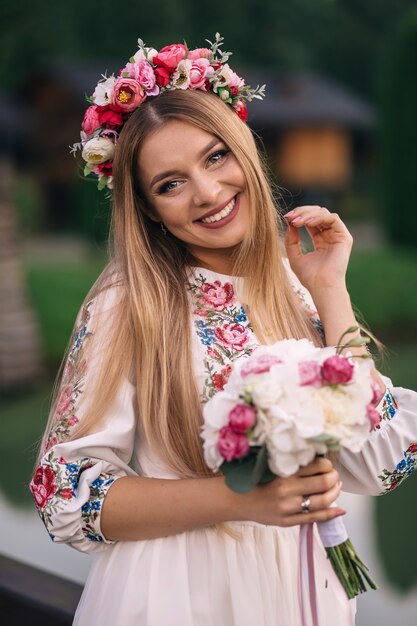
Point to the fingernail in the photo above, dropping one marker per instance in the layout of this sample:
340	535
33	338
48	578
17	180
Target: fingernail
341	512
289	213
296	219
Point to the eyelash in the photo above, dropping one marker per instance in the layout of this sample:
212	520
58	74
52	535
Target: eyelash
165	187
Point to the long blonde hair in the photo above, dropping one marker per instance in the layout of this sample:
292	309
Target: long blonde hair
150	333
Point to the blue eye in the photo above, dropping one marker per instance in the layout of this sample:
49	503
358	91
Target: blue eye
169	186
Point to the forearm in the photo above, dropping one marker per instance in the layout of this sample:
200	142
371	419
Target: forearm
137	508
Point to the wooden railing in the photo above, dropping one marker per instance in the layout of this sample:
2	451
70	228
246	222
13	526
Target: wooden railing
31	596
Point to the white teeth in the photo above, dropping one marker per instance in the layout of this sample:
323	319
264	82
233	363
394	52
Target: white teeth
221	214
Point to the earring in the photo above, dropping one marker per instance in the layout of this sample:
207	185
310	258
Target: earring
164	230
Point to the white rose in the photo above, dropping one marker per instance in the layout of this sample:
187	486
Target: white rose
98	150
266	392
151	54
103	93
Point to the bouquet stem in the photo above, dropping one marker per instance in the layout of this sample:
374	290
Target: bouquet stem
350	569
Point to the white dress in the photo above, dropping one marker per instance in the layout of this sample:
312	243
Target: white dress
201	577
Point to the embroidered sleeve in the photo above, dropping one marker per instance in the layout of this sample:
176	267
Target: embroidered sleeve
74	475
390	455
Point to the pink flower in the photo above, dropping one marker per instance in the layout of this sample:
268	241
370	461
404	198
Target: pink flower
43	486
199	71
242	418
162	76
337	370
373	416
259	365
52	441
377	392
91	120
66	493
213	353
128	94
310	373
169	56
198	53
218	296
232	445
232	335
145	76
65	401
201	312
72	420
220	379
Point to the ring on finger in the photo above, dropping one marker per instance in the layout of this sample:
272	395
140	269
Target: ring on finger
305	504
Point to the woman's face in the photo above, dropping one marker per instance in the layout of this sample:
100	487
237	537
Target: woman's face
196	187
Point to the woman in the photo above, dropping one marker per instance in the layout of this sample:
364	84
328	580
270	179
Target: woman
196	280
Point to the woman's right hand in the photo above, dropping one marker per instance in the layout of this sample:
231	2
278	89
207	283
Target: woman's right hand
278	503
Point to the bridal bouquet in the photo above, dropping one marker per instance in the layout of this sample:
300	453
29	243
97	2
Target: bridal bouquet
282	406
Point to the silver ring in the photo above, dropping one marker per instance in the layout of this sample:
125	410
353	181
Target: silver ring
305	505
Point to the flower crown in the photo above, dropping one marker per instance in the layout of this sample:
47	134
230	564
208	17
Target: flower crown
150	73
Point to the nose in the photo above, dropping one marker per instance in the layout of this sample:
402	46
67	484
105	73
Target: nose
206	189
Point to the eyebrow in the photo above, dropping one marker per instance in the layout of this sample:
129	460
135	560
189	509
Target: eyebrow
168	173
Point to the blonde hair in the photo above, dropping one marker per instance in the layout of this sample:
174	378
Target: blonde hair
150	333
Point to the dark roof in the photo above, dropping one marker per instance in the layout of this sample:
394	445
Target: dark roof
308	98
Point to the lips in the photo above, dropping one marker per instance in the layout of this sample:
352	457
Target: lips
223	221
216	210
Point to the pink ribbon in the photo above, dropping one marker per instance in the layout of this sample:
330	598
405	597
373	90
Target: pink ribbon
306	575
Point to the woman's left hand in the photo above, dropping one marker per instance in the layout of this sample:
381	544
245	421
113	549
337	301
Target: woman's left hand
325	266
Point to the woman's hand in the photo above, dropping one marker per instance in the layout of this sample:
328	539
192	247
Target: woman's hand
278	503
324	267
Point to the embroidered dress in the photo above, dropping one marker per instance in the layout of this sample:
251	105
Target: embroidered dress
200	577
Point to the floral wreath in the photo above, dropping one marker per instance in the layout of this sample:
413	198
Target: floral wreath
150	73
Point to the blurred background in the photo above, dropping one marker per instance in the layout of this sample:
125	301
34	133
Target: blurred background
339	129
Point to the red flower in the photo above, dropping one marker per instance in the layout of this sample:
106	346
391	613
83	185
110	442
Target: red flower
337	370
162	76
43	486
67	494
110	116
412	449
241	110
220	379
105	168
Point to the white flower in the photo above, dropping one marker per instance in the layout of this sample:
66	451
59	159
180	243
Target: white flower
181	76
139	56
151	54
226	77
266	392
98	150
103	93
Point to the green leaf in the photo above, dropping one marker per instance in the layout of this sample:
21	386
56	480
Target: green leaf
102	184
261	472
238	474
87	170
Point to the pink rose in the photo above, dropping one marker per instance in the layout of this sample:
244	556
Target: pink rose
144	74
232	335
169	56
232	445
198	53
128	94
199	71
220	379
373	416
162	76
218	296
91	120
337	370
310	373
242	418
259	365
43	486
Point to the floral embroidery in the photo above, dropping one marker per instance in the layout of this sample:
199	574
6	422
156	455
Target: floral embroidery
91	509
72	384
389	406
56	481
222	327
403	469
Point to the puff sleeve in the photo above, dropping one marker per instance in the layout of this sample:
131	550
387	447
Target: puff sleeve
75	474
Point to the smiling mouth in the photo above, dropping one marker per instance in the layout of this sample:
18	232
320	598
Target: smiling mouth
221	214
